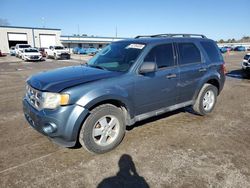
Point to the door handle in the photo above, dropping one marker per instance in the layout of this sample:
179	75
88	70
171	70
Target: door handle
202	70
169	76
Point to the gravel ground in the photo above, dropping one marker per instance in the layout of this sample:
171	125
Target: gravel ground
177	149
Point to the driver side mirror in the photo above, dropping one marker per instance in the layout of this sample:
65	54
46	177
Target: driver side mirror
148	67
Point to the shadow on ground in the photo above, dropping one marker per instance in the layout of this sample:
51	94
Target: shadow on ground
162	116
126	177
238	74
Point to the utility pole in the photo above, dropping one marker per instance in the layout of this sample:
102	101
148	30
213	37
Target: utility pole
116	31
78	30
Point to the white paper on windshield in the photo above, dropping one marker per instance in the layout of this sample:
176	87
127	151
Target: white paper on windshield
135	46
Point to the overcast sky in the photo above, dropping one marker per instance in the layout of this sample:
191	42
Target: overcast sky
215	18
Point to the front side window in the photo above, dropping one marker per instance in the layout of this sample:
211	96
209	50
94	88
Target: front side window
188	53
162	55
119	56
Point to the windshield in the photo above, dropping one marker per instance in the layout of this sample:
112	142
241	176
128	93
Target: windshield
24	46
117	56
31	50
59	47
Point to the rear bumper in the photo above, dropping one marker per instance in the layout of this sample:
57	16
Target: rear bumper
65	122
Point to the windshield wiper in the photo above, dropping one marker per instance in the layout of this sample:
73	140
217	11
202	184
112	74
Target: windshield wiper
97	66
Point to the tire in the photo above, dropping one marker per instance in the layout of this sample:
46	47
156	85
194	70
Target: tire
206	100
102	142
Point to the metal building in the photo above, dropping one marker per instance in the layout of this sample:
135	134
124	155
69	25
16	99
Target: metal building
36	37
87	41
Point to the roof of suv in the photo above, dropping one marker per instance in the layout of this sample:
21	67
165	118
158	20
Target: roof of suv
147	39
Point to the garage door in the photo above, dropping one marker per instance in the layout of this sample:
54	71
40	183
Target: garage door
17	38
47	40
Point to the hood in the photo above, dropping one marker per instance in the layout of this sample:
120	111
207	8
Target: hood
62	78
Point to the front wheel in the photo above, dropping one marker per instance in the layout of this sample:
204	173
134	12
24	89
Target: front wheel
103	129
206	100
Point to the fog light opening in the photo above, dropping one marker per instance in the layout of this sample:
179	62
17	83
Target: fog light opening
49	128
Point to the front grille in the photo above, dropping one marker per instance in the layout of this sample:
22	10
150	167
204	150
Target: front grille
246	64
34	97
34	57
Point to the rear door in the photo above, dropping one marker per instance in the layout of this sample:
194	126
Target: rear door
158	89
192	69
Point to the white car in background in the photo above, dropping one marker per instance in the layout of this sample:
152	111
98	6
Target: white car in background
246	63
31	54
57	52
19	49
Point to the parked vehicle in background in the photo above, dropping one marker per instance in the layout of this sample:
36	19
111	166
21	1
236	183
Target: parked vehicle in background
31	54
19	48
91	51
82	51
240	48
57	52
225	49
12	51
75	50
78	50
128	81
42	51
1	54
246	63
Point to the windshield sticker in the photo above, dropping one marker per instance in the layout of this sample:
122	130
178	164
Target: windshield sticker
135	46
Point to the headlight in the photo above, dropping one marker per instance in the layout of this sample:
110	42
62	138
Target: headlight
53	100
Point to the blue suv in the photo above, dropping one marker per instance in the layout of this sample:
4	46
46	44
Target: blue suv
126	82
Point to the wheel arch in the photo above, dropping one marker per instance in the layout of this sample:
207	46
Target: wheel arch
211	80
118	102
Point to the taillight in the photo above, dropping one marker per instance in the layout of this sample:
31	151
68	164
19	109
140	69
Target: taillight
223	68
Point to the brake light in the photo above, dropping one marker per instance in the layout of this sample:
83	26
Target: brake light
223	68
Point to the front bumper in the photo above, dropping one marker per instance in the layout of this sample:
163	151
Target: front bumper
65	120
32	58
63	56
246	66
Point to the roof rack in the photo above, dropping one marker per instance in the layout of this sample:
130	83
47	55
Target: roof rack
171	35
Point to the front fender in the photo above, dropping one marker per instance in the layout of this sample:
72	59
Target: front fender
96	96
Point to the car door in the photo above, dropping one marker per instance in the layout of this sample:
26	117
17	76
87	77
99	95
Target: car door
157	89
192	69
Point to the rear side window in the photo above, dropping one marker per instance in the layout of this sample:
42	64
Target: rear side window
163	55
188	53
212	51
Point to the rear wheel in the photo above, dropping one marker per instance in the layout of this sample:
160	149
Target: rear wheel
103	130
206	100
